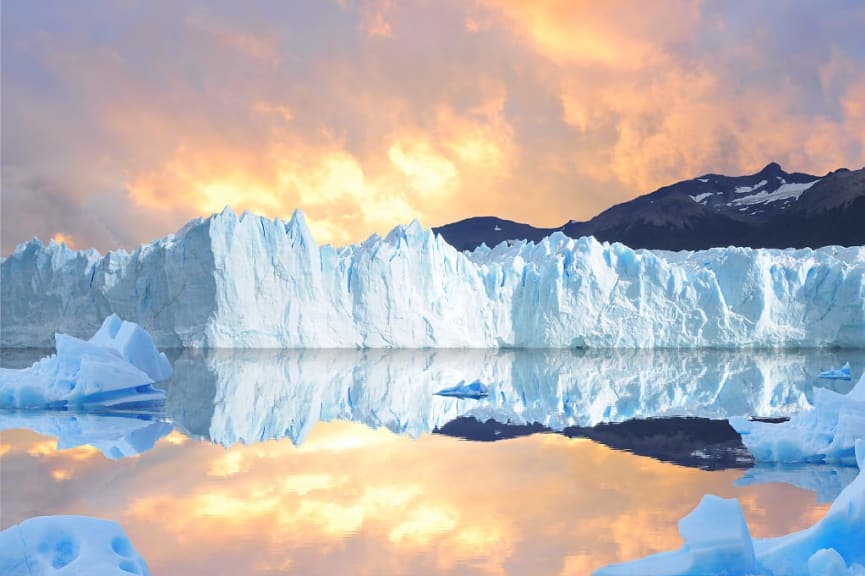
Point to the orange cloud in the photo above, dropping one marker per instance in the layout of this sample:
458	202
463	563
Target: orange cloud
430	505
62	238
617	34
538	111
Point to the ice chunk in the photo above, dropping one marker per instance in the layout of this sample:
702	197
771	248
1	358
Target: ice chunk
462	390
842	373
68	545
252	282
717	541
113	369
825	433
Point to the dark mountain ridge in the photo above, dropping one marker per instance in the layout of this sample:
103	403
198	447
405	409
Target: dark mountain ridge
768	209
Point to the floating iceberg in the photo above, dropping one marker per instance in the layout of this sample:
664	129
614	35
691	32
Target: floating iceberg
116	436
842	373
68	545
475	390
825	433
228	282
717	541
114	369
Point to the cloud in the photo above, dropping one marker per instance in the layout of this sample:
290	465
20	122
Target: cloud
122	121
374	502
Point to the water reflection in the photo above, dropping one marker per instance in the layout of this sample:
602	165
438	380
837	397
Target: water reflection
251	395
115	436
355	500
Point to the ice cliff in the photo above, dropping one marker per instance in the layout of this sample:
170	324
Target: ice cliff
226	281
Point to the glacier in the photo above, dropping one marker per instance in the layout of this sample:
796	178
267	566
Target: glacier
229	282
114	368
717	541
825	432
66	546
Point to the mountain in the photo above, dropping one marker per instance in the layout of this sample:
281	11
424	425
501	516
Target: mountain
229	281
769	209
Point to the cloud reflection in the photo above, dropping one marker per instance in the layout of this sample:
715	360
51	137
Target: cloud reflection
364	501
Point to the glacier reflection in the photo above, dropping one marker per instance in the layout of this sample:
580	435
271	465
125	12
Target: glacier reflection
230	396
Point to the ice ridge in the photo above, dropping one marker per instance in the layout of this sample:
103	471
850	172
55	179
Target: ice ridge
253	282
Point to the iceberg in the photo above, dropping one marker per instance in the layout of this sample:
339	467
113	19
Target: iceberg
842	373
475	390
113	370
826	432
717	541
229	282
68	545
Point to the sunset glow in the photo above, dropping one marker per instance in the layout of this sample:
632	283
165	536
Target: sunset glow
431	505
541	112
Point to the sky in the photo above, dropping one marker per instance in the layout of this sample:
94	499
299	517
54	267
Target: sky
122	120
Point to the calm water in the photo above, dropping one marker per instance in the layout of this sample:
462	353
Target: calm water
323	462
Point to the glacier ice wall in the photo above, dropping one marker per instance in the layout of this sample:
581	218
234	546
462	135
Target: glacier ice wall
251	282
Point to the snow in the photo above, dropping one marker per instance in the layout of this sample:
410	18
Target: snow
700	197
703	180
258	283
783	192
717	541
746	189
231	396
842	373
68	546
825	433
474	390
114	368
497	228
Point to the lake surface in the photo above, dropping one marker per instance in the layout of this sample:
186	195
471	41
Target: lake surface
322	462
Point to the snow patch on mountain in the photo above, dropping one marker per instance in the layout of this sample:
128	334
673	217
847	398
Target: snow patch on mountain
783	192
700	197
745	189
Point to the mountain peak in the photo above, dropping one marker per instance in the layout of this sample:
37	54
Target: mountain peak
771	169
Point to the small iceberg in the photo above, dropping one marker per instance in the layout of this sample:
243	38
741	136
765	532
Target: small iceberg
115	369
49	545
824	434
475	390
717	541
842	373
